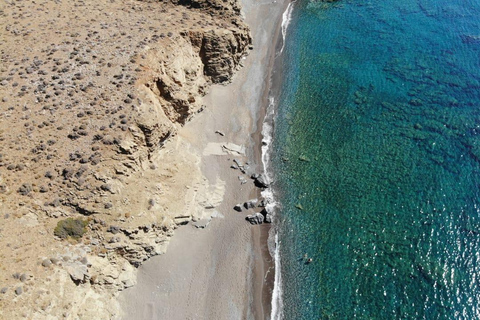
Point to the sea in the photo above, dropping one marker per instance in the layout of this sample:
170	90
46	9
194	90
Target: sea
372	147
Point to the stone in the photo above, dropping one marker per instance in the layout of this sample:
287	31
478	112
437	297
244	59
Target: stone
238	207
3	290
77	271
261	181
202	223
46	263
268	218
18	291
250	203
262	203
238	163
242	180
113	229
255	219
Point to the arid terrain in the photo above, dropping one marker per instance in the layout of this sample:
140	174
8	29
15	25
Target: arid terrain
92	96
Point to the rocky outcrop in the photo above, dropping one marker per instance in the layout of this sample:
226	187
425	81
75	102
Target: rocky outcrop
221	51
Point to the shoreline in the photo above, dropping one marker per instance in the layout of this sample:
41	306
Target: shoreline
266	267
198	263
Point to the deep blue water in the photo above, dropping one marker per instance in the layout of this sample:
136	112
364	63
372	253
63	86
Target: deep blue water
376	160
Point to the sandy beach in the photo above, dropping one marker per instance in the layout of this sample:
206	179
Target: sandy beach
220	272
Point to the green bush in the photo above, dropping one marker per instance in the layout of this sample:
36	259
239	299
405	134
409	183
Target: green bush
74	228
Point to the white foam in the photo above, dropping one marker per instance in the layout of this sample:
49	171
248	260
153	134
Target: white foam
286	18
277	302
268	195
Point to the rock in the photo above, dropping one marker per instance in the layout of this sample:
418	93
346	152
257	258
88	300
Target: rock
268	218
262	203
250	203
77	271
3	290
113	229
256	218
266	212
202	224
261	181
127	283
220	133
242	180
254	176
46	263
238	207
180	220
222	51
18	291
238	163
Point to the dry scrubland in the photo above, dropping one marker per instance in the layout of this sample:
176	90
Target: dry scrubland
92	94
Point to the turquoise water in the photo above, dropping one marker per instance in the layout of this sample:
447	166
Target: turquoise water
376	160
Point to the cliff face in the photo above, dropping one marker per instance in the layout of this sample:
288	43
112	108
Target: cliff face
92	94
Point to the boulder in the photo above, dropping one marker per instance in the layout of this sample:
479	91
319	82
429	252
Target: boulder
268	218
261	181
113	229
238	207
77	271
256	218
242	180
262	203
267	214
250	204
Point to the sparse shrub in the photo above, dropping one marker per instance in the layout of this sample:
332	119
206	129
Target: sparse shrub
73	228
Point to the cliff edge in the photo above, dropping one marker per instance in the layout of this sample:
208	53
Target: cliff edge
93	180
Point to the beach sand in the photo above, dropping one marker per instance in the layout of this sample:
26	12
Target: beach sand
220	272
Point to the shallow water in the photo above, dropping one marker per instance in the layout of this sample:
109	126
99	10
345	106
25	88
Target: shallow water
376	160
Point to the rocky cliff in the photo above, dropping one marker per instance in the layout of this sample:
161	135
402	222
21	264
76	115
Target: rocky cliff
92	96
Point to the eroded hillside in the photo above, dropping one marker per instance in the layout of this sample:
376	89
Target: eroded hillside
91	94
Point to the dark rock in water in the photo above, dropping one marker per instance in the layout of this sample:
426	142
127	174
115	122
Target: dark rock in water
238	208
470	39
256	218
250	204
261	181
